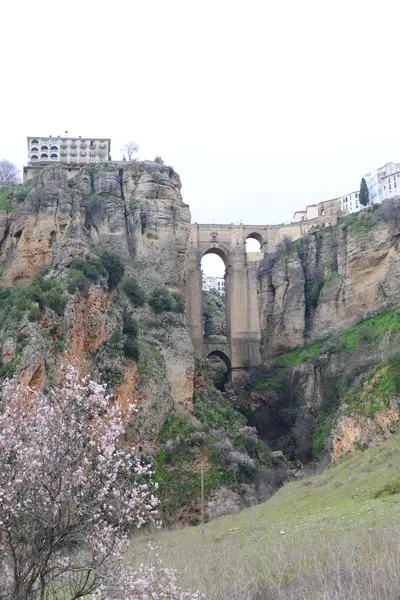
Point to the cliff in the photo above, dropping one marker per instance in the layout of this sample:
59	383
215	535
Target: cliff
58	305
329	279
330	323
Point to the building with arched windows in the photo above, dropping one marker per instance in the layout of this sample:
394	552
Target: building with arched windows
68	150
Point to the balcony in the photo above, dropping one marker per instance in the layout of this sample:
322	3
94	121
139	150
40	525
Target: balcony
53	156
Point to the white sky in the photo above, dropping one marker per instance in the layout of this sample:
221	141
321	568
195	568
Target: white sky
261	106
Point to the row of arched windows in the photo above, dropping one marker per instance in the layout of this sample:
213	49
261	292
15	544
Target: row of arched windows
44	156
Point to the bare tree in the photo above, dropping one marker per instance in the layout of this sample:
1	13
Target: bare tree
131	148
9	173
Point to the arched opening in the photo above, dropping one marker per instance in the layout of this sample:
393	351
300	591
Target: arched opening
220	368
34	157
213	268
44	148
54	148
53	156
254	242
34	142
44	157
34	149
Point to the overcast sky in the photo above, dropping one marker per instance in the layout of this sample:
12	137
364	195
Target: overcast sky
262	107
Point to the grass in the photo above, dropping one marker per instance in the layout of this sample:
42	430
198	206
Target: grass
331	523
364	331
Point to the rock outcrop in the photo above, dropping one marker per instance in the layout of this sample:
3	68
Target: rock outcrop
327	281
137	210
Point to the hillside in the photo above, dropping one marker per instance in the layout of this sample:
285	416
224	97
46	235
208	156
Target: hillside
334	535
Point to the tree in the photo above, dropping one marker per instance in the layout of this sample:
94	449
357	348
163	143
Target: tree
131	148
69	495
364	193
9	173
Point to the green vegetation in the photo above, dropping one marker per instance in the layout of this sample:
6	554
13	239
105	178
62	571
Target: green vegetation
394	365
114	265
364	193
134	292
330	528
130	325
373	395
31	300
108	266
213	314
218	435
162	300
131	349
6	204
184	445
367	330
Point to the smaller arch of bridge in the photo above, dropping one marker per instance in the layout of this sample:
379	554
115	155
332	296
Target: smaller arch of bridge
256	236
219	252
225	359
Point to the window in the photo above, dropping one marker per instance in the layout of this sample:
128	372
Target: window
34	142
214	237
44	156
53	157
44	148
34	149
34	157
91	143
54	148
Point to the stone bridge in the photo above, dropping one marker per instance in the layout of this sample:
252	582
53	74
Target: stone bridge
243	334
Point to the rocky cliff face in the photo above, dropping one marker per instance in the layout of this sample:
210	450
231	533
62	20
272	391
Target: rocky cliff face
328	280
136	209
330	325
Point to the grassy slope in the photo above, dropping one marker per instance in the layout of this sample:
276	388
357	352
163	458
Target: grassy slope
356	496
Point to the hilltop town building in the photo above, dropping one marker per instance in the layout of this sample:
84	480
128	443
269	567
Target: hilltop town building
44	150
383	183
214	283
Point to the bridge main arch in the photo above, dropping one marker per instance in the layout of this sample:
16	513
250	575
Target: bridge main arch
241	301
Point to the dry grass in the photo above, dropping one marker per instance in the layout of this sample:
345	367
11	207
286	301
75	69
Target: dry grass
333	536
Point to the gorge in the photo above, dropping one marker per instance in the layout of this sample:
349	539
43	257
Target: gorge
102	270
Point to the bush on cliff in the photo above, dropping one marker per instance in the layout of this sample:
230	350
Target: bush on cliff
132	289
114	265
162	300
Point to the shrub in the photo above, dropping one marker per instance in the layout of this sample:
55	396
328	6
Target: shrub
394	363
143	221
113	264
179	302
161	300
130	326
77	282
158	160
55	300
34	314
132	289
92	267
131	348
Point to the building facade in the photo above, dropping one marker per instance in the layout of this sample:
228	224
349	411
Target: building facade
383	183
214	283
44	150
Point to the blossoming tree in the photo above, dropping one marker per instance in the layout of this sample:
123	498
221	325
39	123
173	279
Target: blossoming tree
69	495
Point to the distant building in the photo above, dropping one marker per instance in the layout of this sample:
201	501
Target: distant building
214	283
383	183
44	150
299	215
